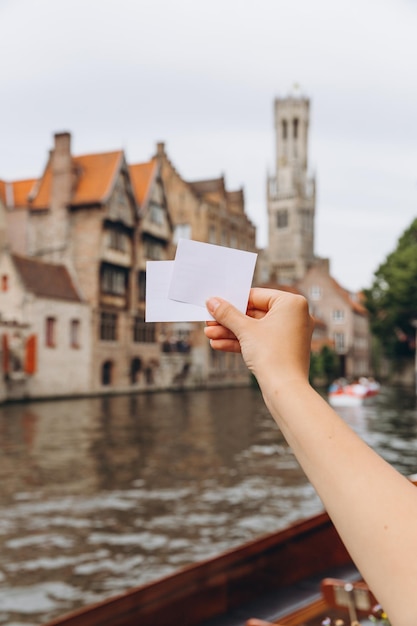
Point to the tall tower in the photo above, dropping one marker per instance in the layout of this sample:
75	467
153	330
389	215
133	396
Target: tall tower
291	193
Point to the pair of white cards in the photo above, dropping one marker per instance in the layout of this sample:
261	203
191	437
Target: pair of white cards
177	291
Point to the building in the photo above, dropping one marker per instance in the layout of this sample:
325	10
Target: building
96	220
83	214
345	318
207	211
45	330
291	193
341	321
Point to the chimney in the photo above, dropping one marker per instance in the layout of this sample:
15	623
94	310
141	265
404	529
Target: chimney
160	149
62	171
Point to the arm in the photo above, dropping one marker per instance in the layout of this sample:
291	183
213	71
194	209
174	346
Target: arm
373	507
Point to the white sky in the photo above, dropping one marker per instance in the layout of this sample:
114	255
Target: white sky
202	77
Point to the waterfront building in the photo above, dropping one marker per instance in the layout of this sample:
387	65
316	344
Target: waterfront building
97	220
205	210
344	316
45	330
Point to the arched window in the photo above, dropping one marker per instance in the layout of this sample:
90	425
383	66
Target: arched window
135	369
295	128
284	129
107	373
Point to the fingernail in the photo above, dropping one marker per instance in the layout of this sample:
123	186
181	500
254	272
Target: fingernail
212	304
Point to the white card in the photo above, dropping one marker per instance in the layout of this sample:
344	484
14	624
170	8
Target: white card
159	308
203	270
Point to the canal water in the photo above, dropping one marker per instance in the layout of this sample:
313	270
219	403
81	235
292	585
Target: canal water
99	495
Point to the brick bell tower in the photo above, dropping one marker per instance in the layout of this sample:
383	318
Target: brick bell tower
291	192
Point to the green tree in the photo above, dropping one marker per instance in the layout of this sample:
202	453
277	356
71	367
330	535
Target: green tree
392	298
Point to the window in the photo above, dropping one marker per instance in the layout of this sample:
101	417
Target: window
307	221
156	214
153	249
4	282
135	369
295	128
113	280
338	316
107	373
284	129
75	333
143	332
182	231
117	240
50	332
108	326
315	292
339	342
282	218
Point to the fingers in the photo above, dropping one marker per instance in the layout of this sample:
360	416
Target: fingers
225	345
226	314
261	299
216	331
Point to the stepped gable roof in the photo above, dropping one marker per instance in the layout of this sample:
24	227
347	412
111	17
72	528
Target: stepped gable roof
235	196
93	177
46	280
142	175
211	189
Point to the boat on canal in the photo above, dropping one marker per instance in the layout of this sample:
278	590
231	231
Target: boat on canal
355	393
301	575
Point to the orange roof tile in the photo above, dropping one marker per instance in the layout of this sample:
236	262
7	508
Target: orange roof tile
15	194
21	191
94	175
141	176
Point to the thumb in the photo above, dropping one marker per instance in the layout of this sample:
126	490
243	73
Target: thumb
226	314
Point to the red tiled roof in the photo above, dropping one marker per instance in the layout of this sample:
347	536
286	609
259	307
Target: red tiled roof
21	191
141	175
15	194
93	173
46	280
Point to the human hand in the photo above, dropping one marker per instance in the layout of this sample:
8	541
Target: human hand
274	336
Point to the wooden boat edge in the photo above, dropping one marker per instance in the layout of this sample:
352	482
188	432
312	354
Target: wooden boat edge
212	587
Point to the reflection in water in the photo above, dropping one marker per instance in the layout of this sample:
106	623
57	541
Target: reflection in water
98	495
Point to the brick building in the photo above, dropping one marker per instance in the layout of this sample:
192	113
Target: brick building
207	211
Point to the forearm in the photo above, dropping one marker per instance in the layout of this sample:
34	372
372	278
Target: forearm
373	507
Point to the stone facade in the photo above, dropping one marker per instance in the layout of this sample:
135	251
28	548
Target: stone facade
291	193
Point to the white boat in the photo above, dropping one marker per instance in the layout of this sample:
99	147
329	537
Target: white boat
342	393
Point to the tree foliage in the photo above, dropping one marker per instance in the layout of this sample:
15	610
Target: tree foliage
324	366
392	298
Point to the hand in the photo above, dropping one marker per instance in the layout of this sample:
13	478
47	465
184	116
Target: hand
274	336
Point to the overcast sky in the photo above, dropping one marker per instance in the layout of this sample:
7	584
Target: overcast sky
202	77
